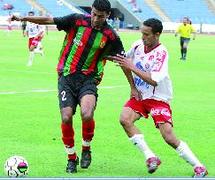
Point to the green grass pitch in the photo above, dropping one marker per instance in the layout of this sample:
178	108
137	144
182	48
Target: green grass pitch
30	118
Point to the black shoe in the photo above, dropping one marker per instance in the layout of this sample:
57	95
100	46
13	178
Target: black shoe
85	159
72	166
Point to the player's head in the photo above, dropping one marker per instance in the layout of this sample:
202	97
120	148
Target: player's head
151	30
31	13
101	10
185	20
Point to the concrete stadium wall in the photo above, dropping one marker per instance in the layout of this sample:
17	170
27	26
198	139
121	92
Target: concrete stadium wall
168	26
90	2
129	18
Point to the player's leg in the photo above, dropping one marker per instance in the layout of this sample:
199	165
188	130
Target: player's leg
182	149
31	58
38	45
88	98
39	49
9	28
31	45
67	108
87	104
181	46
127	119
185	45
162	116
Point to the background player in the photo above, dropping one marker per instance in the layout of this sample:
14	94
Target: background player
35	33
185	31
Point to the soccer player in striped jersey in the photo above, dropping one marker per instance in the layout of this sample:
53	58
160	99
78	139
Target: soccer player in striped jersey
185	30
88	40
146	68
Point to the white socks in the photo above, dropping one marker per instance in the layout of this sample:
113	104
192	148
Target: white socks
69	150
85	143
138	140
185	152
31	57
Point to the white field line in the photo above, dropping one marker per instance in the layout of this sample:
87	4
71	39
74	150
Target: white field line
51	90
31	72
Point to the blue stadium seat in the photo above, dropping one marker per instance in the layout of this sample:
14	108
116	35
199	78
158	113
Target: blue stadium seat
196	10
146	11
55	8
20	6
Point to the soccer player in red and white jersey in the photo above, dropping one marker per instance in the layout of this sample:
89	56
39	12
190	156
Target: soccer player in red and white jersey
146	68
9	23
35	33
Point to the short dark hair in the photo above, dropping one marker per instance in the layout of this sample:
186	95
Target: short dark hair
155	24
102	5
31	12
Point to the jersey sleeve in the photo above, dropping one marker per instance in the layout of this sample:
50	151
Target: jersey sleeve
160	67
66	22
117	47
135	45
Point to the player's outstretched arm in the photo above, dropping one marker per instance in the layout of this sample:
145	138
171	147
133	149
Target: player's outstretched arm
34	19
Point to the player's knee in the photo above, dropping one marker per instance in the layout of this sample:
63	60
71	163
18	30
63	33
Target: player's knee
87	114
125	120
66	117
31	48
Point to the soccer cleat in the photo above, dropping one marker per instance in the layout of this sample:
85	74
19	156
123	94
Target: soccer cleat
85	159
200	172
152	164
72	165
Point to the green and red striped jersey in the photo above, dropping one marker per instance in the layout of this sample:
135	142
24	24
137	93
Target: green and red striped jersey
84	48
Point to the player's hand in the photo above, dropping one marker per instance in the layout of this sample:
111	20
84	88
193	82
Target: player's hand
123	61
16	18
136	94
110	58
113	58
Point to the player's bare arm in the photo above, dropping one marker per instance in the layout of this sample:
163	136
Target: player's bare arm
34	19
134	92
127	64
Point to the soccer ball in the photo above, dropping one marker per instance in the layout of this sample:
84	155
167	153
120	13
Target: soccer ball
16	166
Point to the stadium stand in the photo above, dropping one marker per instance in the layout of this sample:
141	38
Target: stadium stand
145	12
170	11
197	11
19	6
59	7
